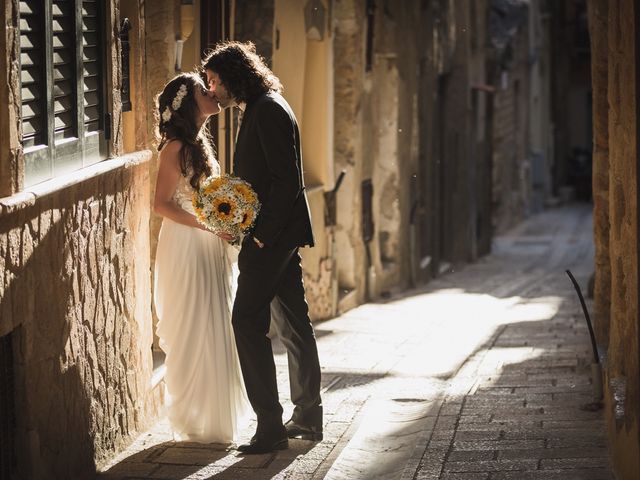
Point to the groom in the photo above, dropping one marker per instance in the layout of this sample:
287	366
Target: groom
268	156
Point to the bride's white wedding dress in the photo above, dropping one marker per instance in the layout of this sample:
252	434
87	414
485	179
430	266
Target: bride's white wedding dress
194	289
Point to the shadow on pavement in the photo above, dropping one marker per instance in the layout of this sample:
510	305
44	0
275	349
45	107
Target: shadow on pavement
181	460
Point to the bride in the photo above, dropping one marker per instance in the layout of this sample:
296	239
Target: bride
194	283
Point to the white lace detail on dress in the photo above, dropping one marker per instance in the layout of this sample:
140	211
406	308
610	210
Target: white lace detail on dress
183	193
184	190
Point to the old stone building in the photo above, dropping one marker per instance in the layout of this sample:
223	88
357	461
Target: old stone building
75	321
414	101
77	239
615	44
410	132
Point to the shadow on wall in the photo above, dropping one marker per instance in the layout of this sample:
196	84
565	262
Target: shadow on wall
64	291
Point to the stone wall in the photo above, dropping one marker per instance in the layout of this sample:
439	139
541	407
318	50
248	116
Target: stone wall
254	22
598	19
11	170
509	73
411	126
390	153
75	296
349	72
618	195
438	40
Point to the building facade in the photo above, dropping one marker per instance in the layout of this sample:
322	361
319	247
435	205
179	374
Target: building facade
75	321
403	97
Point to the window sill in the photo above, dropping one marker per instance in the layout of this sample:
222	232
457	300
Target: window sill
30	195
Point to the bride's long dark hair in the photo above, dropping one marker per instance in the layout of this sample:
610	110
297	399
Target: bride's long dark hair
182	124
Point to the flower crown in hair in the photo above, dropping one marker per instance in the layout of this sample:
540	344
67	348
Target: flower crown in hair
175	104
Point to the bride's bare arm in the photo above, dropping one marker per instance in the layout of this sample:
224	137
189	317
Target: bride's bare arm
166	183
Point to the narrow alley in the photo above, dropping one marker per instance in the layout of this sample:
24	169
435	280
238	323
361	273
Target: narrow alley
482	374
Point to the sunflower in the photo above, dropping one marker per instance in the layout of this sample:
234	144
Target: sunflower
215	184
247	220
224	207
245	192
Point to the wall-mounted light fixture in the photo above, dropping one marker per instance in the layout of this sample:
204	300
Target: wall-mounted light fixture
314	19
187	20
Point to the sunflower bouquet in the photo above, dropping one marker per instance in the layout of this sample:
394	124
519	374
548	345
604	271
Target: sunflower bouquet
226	204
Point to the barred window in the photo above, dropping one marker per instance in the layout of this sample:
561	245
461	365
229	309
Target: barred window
62	86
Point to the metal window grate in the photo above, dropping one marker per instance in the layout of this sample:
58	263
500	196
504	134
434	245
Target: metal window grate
7	410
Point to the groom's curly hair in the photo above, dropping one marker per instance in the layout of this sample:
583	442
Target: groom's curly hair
241	70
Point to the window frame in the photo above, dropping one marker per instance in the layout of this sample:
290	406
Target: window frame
55	157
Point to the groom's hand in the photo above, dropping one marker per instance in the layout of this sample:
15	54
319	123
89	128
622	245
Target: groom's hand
258	242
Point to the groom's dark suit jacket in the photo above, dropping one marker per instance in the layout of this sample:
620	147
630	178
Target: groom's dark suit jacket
268	156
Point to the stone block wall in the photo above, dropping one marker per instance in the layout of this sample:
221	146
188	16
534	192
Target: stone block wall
406	125
615	40
511	196
598	17
74	295
11	170
349	76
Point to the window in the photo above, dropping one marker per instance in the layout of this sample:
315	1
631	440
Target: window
62	91
371	17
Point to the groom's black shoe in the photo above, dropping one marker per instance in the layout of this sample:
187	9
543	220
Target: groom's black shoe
304	432
265	442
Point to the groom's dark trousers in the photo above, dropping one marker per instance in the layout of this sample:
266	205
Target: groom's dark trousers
270	287
275	273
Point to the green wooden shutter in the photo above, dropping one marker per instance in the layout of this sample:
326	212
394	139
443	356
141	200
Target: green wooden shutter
64	69
95	145
32	73
62	57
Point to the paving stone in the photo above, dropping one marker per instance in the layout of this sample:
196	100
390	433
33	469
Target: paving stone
171	472
451	409
500	426
132	469
188	456
568	433
470	455
499	445
572	442
566	453
480	418
579	474
573	463
465	476
463	435
573	424
490	465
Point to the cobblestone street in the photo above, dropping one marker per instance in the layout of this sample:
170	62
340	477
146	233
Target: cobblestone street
480	375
